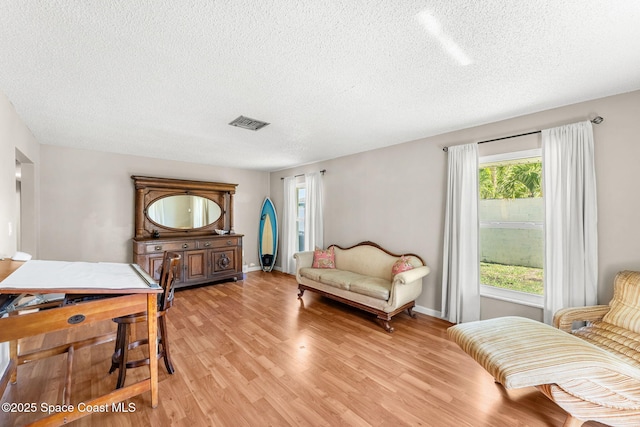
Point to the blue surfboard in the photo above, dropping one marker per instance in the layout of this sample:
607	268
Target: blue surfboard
268	236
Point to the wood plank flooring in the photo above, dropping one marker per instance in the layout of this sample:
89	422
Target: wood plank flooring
248	353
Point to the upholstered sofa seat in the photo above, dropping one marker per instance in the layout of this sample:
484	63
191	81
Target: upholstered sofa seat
350	281
362	277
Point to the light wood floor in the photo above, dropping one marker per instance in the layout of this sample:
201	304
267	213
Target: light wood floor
250	354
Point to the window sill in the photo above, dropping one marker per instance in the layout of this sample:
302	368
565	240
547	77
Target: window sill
514	297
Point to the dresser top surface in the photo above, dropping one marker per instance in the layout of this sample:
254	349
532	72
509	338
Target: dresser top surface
183	238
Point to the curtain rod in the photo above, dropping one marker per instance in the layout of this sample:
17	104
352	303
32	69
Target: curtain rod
295	176
596	121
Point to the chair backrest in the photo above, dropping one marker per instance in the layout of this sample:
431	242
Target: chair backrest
168	274
625	305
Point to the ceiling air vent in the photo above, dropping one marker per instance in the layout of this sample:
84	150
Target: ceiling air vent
247	123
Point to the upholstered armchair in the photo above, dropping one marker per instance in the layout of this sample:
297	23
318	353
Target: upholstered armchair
592	372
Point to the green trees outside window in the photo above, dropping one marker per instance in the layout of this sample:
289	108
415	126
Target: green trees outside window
505	228
511	181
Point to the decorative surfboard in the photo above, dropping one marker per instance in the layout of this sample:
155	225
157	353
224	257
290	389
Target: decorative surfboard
268	236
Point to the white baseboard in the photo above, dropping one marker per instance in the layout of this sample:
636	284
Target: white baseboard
258	268
428	311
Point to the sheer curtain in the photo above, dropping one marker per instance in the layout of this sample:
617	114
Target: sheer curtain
199	212
289	229
313	223
571	239
461	266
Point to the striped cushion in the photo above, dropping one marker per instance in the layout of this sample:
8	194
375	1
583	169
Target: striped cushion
625	305
592	373
520	352
619	341
586	410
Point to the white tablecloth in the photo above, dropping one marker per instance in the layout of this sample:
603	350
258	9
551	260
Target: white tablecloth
44	275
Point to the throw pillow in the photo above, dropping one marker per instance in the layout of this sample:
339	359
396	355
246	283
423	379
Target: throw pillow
401	265
324	259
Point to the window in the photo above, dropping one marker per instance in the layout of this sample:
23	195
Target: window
511	214
301	198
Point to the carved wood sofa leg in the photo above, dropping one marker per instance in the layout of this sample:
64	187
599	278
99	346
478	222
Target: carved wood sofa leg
300	292
411	313
385	324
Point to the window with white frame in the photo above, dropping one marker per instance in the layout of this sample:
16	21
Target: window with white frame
511	214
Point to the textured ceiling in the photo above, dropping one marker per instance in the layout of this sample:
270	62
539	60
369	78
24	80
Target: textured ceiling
164	78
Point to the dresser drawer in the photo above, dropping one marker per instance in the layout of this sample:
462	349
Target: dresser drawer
169	246
218	243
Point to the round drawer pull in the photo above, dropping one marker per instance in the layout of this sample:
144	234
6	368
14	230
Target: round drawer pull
224	262
207	244
157	248
228	242
185	245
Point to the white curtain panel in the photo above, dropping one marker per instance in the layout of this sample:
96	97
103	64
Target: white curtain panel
289	229
461	266
313	222
199	214
571	238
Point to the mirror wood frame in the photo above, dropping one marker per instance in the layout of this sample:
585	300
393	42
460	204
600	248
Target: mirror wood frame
150	189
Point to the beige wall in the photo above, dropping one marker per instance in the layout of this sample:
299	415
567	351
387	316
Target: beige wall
16	141
394	196
87	201
391	196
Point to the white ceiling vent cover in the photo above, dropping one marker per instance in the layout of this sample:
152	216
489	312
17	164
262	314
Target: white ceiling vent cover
247	123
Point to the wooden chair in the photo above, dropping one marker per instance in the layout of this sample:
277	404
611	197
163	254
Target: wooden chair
119	360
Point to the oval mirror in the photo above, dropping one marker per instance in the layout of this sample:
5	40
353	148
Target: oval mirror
184	211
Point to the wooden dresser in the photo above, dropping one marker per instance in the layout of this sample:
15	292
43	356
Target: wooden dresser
185	217
203	259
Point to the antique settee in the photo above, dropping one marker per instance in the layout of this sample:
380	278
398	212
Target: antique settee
365	276
592	372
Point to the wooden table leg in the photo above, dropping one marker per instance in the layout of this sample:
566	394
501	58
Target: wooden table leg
152	325
13	357
66	396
